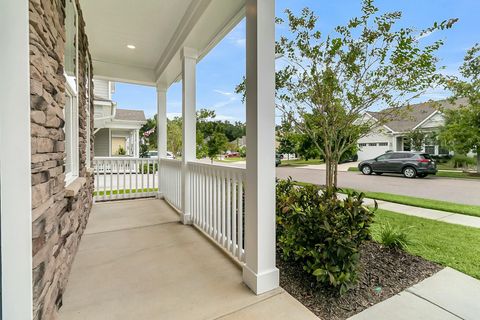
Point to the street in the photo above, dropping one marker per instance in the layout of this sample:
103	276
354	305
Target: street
444	189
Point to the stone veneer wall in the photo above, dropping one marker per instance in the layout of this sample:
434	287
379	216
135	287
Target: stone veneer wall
59	213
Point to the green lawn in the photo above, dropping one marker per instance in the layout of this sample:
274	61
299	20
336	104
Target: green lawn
447	244
232	159
466	209
470	210
299	162
122	191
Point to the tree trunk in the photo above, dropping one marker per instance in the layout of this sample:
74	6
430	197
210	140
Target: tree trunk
478	160
335	174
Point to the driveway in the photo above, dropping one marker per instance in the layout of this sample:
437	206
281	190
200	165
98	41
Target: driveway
446	189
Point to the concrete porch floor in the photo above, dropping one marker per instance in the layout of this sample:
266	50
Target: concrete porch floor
136	261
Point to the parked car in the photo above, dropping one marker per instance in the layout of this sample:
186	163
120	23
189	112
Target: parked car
410	164
154	155
278	160
232	154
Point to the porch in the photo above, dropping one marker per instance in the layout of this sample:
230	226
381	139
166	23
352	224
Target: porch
137	261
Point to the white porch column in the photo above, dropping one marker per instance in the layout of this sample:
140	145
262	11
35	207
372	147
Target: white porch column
162	120
161	129
15	162
137	144
189	65
259	271
109	142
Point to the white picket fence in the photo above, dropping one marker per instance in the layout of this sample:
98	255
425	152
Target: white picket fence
125	178
216	204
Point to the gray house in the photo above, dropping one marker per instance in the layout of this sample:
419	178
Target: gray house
425	117
116	130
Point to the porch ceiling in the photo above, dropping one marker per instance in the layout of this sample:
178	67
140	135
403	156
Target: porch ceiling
158	30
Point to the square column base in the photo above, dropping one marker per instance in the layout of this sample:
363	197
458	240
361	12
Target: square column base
186	218
263	282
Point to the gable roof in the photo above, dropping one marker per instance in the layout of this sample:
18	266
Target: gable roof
130	115
413	115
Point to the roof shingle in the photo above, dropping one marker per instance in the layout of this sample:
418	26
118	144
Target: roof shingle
131	115
414	114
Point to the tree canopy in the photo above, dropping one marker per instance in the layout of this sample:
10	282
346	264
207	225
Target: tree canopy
462	126
329	82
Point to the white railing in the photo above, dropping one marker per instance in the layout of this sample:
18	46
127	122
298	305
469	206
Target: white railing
171	181
124	178
216	204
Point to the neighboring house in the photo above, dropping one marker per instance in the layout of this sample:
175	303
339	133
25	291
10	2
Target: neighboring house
115	129
425	117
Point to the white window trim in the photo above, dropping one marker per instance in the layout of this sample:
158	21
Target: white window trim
88	116
73	146
71	89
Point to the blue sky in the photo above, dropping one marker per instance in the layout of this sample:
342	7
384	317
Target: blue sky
223	68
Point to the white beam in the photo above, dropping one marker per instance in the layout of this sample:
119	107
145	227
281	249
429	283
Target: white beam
259	271
123	73
189	65
15	162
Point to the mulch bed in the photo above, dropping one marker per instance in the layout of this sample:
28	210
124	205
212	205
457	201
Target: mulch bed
383	273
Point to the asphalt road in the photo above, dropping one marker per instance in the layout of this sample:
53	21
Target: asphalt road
446	189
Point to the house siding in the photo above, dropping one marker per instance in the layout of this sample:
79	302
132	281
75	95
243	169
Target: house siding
59	216
102	89
102	143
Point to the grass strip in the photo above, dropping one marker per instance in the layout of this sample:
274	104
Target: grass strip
450	245
123	191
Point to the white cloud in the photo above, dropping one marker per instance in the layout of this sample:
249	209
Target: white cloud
223	93
224	103
424	35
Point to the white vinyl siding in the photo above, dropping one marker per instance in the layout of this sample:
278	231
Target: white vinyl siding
101	89
101	144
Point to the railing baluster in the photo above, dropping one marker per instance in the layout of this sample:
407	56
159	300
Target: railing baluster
224	222
229	205
234	215
240	219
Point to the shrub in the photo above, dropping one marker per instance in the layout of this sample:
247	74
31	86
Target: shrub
322	232
392	236
463	161
148	168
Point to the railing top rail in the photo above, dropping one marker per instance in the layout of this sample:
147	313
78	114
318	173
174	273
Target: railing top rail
218	167
171	161
120	158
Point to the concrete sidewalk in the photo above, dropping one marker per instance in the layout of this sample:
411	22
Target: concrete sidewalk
438	215
448	294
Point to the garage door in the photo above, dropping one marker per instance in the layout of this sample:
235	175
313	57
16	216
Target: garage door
372	150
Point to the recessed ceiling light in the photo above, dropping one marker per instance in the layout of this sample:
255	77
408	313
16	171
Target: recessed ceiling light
130	46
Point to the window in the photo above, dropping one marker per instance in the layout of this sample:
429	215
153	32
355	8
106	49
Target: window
362	144
430	149
373	144
385	157
401	155
383	144
71	89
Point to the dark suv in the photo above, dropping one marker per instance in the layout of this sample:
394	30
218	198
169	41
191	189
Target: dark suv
411	164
